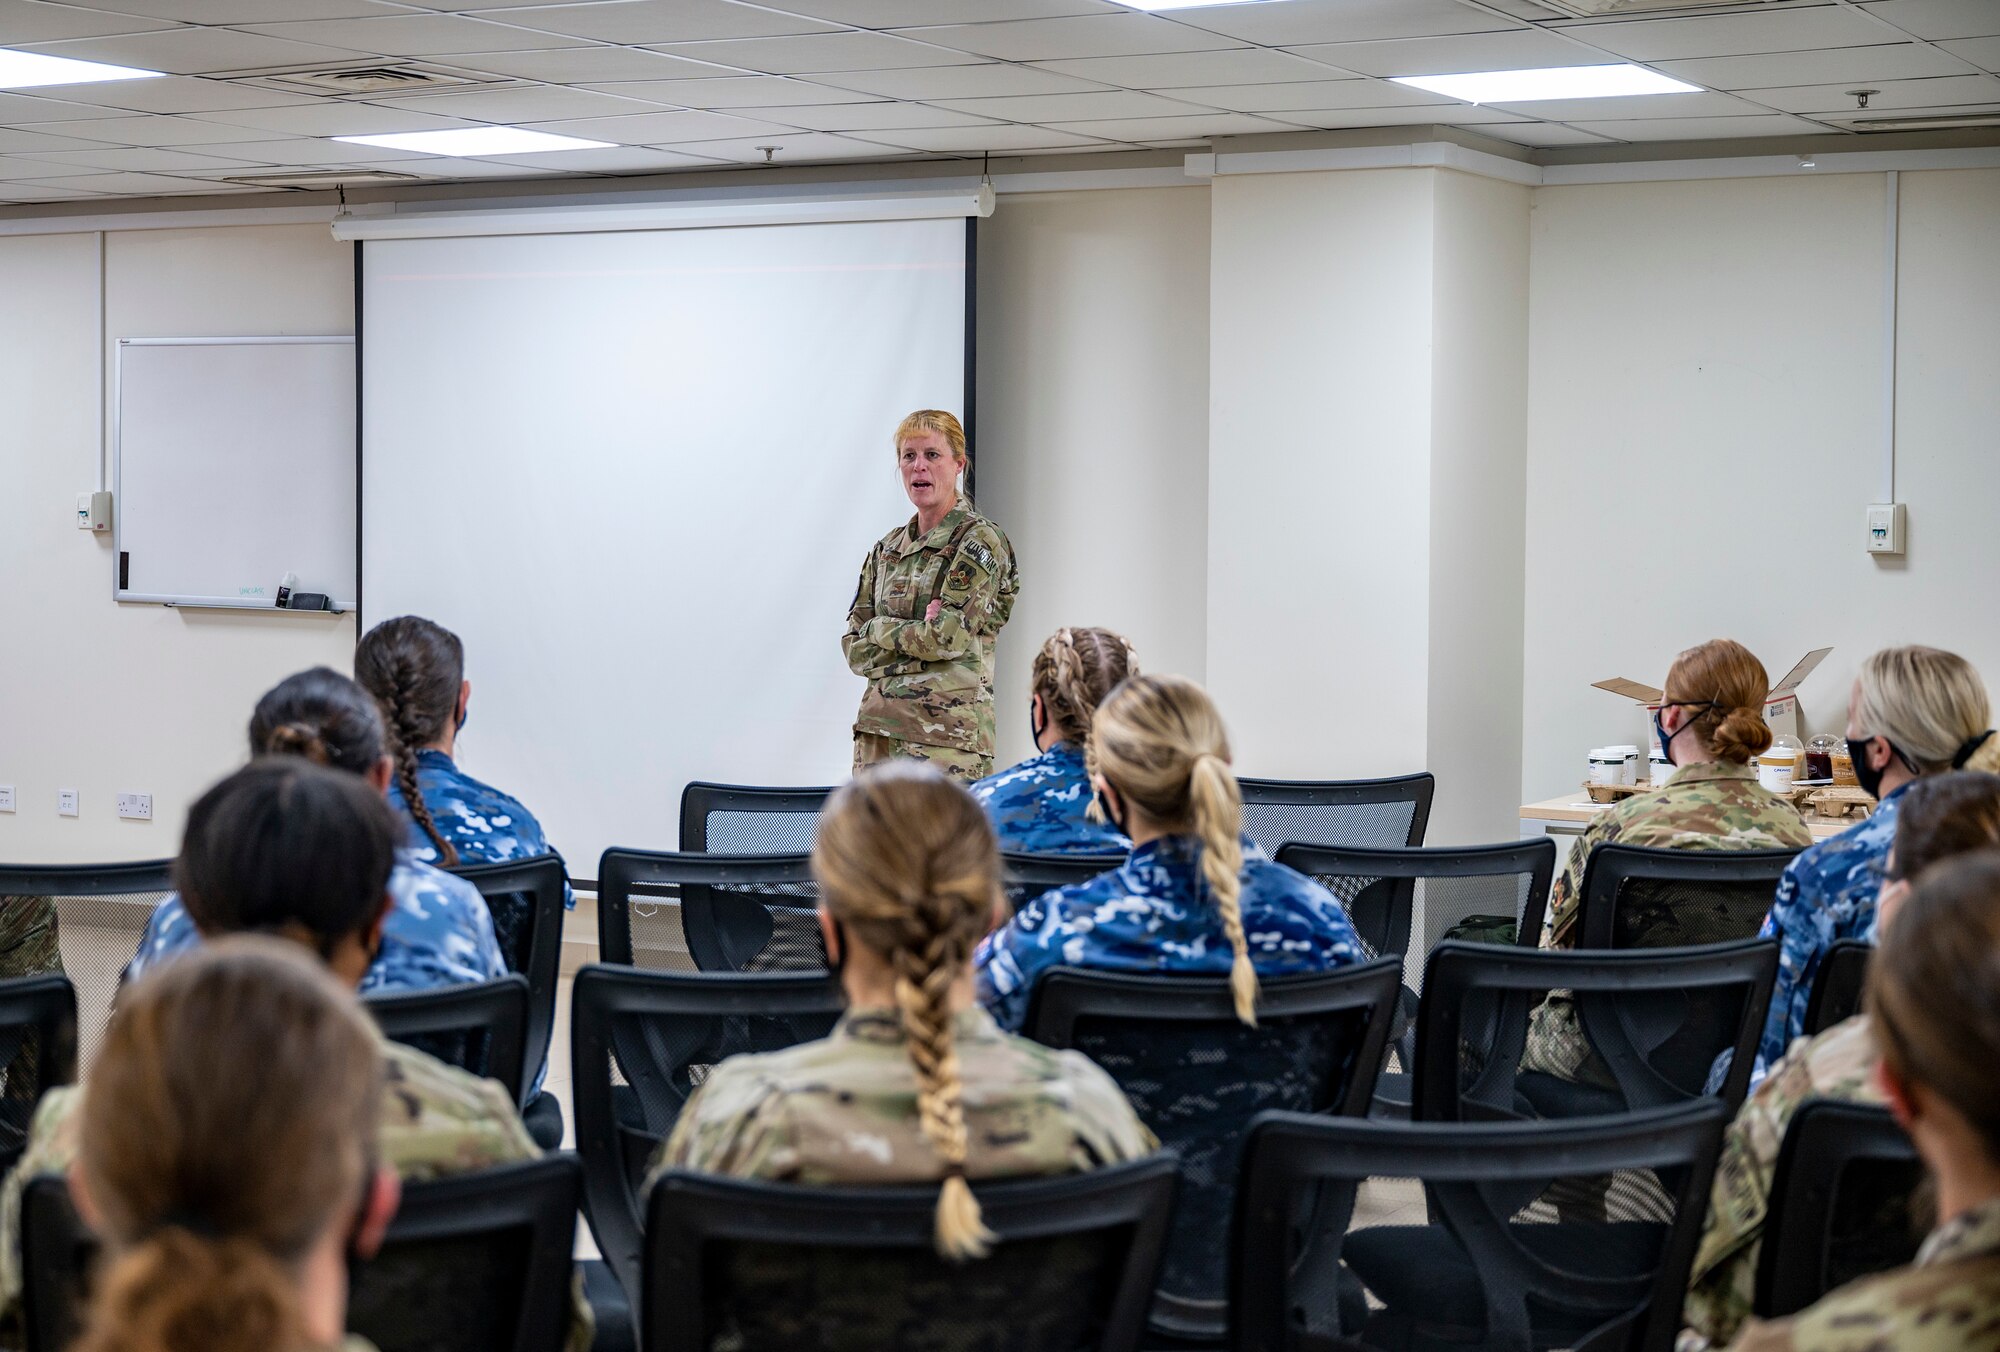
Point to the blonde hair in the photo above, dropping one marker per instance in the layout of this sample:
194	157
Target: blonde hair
1931	706
1074	671
1159	741
907	864
943	424
1722	686
231	1120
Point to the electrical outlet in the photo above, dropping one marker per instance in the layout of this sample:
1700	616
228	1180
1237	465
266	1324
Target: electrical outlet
137	807
66	802
6	797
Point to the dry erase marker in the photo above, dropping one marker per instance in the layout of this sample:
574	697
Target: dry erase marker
285	589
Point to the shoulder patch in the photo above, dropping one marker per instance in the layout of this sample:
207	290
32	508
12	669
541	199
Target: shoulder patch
977	551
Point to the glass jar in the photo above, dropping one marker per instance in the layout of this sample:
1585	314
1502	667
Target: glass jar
1820	752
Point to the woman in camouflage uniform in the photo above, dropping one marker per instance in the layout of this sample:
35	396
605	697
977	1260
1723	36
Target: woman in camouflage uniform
932	597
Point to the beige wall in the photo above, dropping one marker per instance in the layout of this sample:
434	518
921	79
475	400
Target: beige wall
96	696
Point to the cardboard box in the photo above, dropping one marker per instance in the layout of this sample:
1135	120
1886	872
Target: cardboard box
1781	706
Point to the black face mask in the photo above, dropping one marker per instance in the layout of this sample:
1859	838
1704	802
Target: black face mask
1111	814
1665	738
836	955
1036	722
1866	775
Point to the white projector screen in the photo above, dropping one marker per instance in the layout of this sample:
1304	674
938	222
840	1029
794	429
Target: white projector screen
637	473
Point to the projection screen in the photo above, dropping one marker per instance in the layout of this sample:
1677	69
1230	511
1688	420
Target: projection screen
637	473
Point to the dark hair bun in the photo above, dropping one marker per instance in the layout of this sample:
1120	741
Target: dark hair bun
298	739
1740	734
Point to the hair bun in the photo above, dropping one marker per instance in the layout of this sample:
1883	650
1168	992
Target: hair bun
1739	734
298	739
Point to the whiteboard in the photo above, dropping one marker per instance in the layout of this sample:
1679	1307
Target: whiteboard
234	464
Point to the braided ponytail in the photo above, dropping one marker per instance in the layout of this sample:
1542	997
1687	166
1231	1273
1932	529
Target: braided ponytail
1074	671
906	862
1215	806
413	669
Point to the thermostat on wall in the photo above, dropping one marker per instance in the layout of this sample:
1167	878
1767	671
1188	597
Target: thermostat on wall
1886	523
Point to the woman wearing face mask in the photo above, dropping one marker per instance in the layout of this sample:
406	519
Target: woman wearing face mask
1913	711
1933	1002
1941	817
932	597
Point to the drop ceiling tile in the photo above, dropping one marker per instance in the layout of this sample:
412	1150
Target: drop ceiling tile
1701	104
1187	70
1982	52
1703	128
446	166
159	130
176	94
1780	30
1299	22
197	51
1463	115
12	140
1518	49
417	35
1934	19
1075	107
334	117
243	11
810	53
43	192
1542	134
1946	92
535	103
911	13
147	159
22	109
742	91
307	152
643	21
1130	34
973	140
32	21
992	80
617	160
654	129
584	65
1199	127
1856	65
867	117
136	185
1276	98
38	167
796	147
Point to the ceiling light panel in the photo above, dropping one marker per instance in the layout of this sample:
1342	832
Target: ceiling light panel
469	142
33	70
1551	82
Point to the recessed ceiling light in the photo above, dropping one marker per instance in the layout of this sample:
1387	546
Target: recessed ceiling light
1155	5
466	142
29	70
1556	82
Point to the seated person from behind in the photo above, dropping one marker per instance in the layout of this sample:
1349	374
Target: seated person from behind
1942	816
1933	1002
28	937
287	848
416	671
1042	805
1711	725
1196	896
212	1246
915	1083
439	932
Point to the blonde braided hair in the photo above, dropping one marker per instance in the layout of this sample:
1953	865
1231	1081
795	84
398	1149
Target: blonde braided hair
907	863
1074	671
1159	741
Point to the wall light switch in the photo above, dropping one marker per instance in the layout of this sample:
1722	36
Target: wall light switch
93	512
136	807
66	802
1887	523
6	797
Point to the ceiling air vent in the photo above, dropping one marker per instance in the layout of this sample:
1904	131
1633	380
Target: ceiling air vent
1602	9
371	81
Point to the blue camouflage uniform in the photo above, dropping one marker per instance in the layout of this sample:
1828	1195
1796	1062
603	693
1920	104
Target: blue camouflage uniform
485	825
1826	893
438	933
1041	806
1153	913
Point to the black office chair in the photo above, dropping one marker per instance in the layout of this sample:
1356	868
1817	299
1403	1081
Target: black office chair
1637	897
1432	1235
526	898
1656	1020
735	912
94	896
1494	890
480	1029
744	819
476	1262
1026	876
640	1042
1197	1074
1380	813
37	1053
854	1270
1840	1204
1836	992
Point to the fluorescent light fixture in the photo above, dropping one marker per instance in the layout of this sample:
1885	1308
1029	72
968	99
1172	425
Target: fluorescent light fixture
30	70
687	214
468	142
1556	82
1154	6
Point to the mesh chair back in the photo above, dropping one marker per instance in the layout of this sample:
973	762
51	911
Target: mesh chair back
854	1270
1840	1204
476	1262
526	898
481	1029
735	912
1026	876
1197	1074
1375	813
640	1044
37	1053
1353	1234
1650	1026
1635	897
744	819
1836	992
103	909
